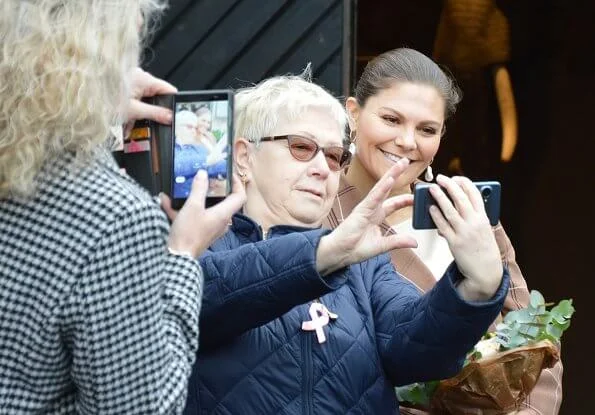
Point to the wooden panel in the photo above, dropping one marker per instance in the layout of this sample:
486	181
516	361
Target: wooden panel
230	43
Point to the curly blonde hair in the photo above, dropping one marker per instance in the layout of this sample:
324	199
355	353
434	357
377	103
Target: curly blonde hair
64	66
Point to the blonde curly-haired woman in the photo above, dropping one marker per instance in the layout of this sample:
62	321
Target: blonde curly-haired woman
99	298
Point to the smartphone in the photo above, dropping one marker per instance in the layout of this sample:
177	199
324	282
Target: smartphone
202	139
422	200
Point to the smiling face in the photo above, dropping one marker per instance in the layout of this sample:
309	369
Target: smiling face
282	190
404	120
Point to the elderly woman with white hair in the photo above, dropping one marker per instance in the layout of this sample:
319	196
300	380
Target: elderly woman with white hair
99	297
301	320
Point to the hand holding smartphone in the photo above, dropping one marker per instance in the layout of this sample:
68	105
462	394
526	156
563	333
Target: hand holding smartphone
422	200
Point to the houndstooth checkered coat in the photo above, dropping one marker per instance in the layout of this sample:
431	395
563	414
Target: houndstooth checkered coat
95	315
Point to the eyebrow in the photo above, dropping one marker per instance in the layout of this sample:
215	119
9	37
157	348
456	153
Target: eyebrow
436	123
313	137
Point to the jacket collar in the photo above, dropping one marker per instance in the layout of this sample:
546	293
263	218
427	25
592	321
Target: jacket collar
248	228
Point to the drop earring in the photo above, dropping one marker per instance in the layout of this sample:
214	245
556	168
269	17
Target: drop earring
429	176
242	177
352	139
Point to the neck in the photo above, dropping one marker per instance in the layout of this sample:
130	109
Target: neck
253	211
362	180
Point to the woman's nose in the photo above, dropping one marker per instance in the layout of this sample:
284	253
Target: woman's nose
406	139
319	166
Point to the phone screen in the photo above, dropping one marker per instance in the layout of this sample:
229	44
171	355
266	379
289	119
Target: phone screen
202	141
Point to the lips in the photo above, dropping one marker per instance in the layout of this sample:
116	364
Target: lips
312	191
392	157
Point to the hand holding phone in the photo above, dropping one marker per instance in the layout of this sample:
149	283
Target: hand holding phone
212	221
422	200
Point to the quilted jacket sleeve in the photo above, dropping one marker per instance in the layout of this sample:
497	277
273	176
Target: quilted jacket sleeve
426	337
255	283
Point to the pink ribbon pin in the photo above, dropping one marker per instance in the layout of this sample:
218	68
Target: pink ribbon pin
320	317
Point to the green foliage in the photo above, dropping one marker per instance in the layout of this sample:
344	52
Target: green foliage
519	328
534	323
217	134
417	393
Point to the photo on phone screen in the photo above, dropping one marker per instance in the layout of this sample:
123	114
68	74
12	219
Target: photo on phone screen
202	137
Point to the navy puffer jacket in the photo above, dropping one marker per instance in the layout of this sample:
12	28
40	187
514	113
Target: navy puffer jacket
254	359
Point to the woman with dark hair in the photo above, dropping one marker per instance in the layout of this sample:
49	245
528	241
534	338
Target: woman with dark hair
399	110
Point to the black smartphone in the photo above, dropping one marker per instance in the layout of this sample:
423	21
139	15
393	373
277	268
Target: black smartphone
202	139
422	200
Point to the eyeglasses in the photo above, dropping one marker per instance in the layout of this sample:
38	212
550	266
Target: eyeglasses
305	149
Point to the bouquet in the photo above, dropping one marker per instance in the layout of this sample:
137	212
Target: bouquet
502	368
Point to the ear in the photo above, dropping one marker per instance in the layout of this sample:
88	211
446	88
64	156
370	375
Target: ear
353	110
241	156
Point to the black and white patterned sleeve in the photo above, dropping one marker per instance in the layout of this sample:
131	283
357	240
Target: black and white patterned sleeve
135	310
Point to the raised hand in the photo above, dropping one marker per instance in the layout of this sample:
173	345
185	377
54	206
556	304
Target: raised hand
466	227
359	237
215	156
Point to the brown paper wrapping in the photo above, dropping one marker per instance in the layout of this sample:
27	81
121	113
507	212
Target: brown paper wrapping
495	385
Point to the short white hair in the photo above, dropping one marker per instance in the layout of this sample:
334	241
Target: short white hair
259	108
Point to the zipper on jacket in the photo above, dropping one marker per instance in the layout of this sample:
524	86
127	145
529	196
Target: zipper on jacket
307	374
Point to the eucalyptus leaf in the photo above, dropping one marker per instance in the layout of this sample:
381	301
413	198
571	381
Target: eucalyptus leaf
554	331
536	299
534	323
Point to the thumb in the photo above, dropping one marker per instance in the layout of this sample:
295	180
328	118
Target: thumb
232	203
200	187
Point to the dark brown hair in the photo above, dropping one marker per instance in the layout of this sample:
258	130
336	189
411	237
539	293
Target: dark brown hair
411	66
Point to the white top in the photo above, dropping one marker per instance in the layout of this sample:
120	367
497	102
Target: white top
432	248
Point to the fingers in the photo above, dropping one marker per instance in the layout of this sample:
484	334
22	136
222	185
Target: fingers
457	195
381	189
442	225
146	85
155	86
166	206
232	203
446	209
399	241
395	203
214	157
139	110
472	192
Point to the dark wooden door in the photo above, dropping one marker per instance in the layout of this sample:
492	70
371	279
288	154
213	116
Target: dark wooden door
205	44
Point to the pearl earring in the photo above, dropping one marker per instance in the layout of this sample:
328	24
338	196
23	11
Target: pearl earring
352	148
429	176
352	139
